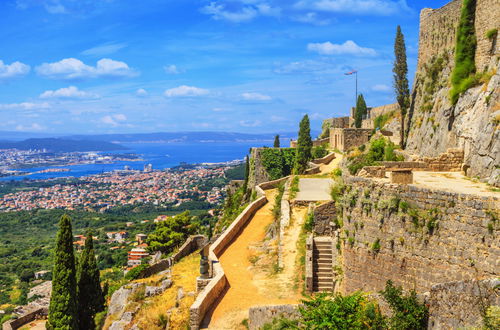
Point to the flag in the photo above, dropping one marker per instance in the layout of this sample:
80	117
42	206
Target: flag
350	73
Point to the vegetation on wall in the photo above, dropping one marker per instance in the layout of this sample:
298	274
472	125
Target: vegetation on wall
380	121
325	129
278	163
463	75
233	206
319	152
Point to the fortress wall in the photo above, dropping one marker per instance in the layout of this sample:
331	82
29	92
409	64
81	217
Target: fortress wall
438	31
465	244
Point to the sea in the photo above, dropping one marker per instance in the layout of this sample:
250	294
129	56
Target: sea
159	155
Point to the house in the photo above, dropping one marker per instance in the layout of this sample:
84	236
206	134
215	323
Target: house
135	256
141	238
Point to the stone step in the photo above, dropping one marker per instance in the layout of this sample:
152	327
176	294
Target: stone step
322	251
323	278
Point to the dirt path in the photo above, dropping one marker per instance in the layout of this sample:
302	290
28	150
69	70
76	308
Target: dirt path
245	289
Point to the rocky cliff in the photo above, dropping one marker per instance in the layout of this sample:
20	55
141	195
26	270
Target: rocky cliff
473	124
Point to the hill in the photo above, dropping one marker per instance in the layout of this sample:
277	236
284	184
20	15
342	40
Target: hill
61	145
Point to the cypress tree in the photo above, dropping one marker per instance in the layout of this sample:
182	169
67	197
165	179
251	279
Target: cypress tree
400	71
63	301
304	146
361	111
277	141
247	172
90	297
465	51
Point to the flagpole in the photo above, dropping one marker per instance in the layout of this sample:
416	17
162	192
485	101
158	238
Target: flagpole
356	100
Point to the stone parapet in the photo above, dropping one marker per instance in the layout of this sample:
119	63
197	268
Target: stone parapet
309	264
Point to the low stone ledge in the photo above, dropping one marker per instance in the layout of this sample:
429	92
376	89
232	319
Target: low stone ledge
260	315
325	160
309	263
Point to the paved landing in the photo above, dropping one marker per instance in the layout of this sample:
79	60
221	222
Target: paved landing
314	189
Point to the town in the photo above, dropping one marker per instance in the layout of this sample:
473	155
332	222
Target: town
13	160
104	191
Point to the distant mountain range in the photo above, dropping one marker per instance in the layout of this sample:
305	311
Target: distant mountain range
61	145
109	142
182	137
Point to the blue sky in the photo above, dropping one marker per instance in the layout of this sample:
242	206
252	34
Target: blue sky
88	66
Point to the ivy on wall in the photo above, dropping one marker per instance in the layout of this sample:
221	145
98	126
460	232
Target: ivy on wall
278	162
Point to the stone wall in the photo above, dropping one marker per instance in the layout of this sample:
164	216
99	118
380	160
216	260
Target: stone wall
218	284
324	217
19	322
438	31
192	244
315	143
460	305
346	138
453	238
260	315
450	161
338	122
258	173
383	109
433	123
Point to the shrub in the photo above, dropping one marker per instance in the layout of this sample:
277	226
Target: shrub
337	172
491	34
294	187
309	222
134	273
407	312
376	246
278	162
319	152
327	311
281	324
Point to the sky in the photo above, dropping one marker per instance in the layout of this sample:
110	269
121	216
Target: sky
128	66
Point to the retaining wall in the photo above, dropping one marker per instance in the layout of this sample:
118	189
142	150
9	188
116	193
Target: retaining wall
22	320
455	237
260	315
192	244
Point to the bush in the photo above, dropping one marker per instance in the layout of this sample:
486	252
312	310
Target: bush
134	273
281	324
491	34
327	311
407	312
309	222
319	152
278	162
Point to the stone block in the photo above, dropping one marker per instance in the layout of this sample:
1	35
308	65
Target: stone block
402	176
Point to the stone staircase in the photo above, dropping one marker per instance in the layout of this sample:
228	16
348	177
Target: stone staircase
322	264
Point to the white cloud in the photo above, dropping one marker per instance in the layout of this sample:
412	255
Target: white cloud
72	69
256	97
13	70
348	47
246	13
113	120
250	123
24	106
104	49
70	92
29	128
185	91
311	18
141	92
55	8
359	7
381	88
171	69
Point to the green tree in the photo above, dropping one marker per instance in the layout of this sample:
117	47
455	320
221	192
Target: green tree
172	232
247	172
361	111
465	51
90	298
304	146
277	141
400	71
63	301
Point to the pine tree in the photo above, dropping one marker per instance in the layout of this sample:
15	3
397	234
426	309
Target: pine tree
304	146
63	301
400	71
90	298
361	111
277	141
